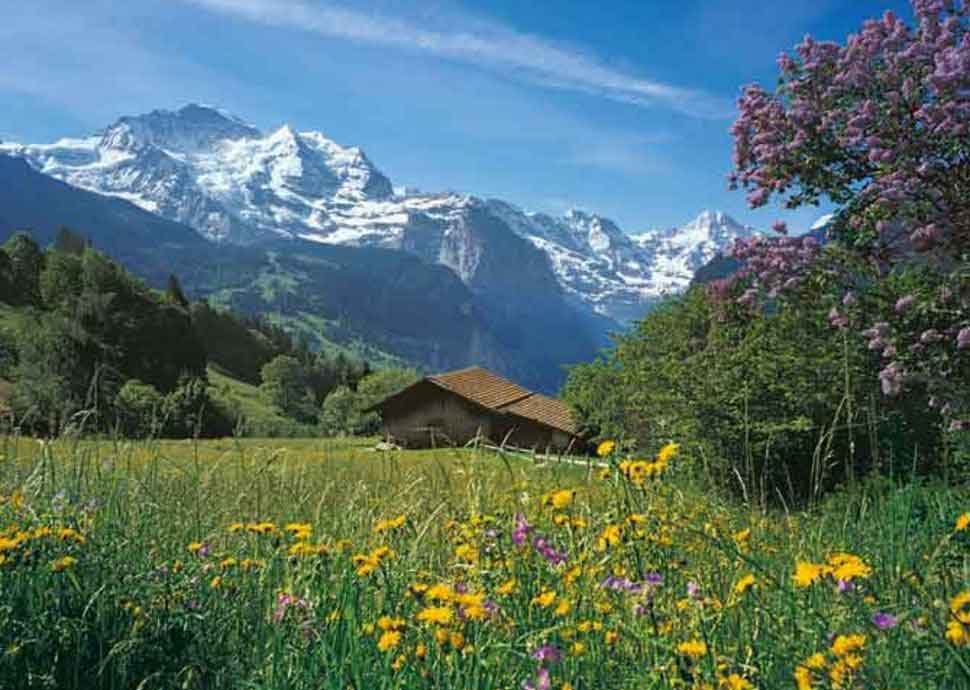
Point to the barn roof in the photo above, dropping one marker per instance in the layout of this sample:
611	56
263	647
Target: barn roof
493	392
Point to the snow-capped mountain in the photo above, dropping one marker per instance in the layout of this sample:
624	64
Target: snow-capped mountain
232	183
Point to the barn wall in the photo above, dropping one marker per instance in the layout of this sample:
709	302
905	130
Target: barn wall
526	433
410	419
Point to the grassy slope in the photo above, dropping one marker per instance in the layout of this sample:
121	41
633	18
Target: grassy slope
245	400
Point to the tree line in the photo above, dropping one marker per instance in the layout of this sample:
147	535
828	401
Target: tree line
85	345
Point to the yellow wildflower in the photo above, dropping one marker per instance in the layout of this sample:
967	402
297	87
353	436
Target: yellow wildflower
578	649
421	650
694	649
195	547
963	522
803	678
559	499
807	573
960	607
386	623
545	599
390	524
611	636
845	566
235	527
440	615
605	448
744	584
957	634
507	587
563	608
847	644
610	536
440	592
467	553
668	453
389	640
299	530
70	534
63	563
736	682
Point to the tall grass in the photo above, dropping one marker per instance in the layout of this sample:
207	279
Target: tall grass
286	564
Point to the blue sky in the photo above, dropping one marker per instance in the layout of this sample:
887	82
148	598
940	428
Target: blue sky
616	107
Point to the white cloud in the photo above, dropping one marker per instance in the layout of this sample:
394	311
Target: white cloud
484	44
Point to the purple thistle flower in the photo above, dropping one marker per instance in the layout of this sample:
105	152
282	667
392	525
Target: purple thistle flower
654	579
521	531
883	620
547	652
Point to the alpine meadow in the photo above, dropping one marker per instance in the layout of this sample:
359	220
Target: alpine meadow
272	420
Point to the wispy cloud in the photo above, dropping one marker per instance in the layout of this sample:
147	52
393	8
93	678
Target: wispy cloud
483	44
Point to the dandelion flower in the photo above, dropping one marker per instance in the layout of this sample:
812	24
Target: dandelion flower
545	599
807	573
744	584
667	453
439	615
845	645
963	522
960	607
736	682
559	499
63	563
694	649
605	448
389	640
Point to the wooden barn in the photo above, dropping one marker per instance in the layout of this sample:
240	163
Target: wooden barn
456	407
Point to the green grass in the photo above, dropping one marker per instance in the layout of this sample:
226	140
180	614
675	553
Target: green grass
165	592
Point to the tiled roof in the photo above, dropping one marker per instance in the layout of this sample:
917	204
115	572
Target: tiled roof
548	411
494	392
481	386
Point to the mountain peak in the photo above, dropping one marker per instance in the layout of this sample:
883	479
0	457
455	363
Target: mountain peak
190	128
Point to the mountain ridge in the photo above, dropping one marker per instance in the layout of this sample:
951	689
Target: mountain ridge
234	184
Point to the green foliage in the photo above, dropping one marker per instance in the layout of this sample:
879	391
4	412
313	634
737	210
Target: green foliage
26	263
139	408
285	385
773	403
375	387
341	413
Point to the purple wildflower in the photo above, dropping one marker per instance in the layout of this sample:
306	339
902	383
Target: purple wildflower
883	620
845	586
521	531
654	579
547	652
693	590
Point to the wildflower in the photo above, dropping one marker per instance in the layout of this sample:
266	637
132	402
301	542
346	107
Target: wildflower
846	566
605	448
386	623
610	636
456	640
653	579
216	582
693	590
559	499
507	587
303	549
957	634
577	649
545	599
542	681
235	527
694	649
521	530
261	527
610	536
63	563
960	607
420	650
70	534
440	615
390	524
744	584
546	653
199	548
736	682
884	621
847	644
807	573
563	608
667	453
963	522
389	640
299	530
439	592
803	678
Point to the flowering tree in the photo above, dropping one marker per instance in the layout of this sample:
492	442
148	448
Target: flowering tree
881	126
